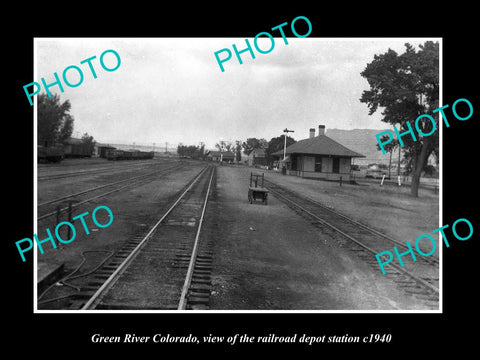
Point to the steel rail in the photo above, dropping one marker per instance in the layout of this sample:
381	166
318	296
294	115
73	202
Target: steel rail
101	195
96	297
42	177
70	174
401	269
188	279
366	227
102	186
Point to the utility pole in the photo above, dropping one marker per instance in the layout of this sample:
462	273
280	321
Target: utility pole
286	131
390	163
399	153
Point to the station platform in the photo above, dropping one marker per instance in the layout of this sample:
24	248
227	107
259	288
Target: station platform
48	273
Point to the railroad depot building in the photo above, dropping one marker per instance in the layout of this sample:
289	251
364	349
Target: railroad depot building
221	156
318	157
257	157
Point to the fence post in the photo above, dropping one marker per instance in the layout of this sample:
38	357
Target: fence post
69	218
58	214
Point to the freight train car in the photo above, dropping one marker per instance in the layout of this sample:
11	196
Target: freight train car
76	148
115	154
50	153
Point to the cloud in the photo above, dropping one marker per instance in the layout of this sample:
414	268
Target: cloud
172	89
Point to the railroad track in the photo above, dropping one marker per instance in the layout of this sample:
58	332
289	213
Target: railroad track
95	170
166	269
42	177
54	207
418	278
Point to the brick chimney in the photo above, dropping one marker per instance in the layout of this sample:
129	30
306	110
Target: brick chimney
312	132
321	130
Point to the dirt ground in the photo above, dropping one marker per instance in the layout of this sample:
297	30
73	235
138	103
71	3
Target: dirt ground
269	258
390	209
134	210
265	257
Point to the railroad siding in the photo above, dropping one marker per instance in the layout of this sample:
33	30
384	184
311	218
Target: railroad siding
389	209
134	211
268	257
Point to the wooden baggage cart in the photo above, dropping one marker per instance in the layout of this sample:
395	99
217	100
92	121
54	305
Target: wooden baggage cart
256	190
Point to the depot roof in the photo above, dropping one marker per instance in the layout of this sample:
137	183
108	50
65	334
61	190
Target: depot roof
218	153
319	145
258	153
73	141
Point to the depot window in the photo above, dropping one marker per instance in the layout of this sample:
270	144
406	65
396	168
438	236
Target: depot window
336	165
318	164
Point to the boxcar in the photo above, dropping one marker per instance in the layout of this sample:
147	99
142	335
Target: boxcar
77	151
49	153
129	155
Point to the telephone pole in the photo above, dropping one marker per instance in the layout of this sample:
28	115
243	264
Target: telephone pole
286	131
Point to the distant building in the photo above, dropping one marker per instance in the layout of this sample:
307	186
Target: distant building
257	157
318	157
218	156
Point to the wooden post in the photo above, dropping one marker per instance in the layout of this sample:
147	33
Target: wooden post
398	168
69	218
58	214
390	163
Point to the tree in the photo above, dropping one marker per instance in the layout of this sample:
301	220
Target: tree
252	144
224	145
407	86
276	144
55	124
201	150
191	151
390	148
89	142
238	150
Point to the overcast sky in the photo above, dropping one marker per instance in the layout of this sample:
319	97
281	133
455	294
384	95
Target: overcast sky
172	90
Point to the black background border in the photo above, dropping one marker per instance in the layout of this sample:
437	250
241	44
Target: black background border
410	332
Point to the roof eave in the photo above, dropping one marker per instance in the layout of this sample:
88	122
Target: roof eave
315	154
